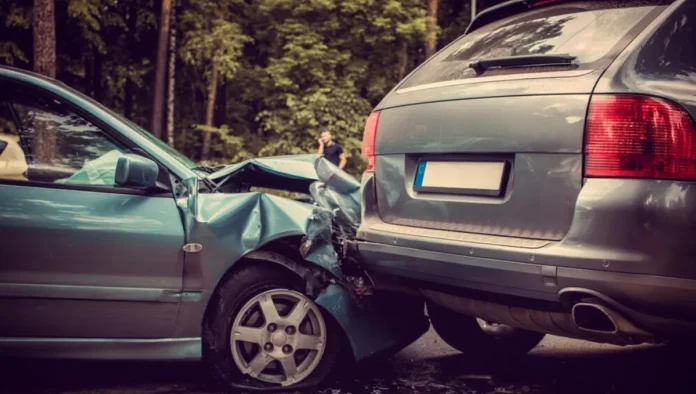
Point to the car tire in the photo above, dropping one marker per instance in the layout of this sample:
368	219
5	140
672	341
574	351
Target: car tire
466	334
226	354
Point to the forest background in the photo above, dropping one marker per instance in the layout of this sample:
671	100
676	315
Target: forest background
227	80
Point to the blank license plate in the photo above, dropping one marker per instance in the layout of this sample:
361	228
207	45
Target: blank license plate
475	177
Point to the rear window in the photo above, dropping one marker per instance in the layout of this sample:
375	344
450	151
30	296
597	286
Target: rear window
587	30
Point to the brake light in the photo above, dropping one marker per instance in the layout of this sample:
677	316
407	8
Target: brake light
639	137
369	140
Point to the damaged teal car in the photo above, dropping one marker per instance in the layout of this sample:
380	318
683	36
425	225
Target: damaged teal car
115	246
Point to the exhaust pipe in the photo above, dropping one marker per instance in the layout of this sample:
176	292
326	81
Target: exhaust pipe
590	319
597	318
593	318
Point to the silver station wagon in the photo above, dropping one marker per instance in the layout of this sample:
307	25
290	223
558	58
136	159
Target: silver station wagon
537	176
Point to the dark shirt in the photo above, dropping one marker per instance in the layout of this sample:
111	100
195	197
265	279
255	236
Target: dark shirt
333	153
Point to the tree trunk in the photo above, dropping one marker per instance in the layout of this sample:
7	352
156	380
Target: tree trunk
128	100
89	70
160	70
403	60
172	78
42	140
431	42
209	112
96	76
222	113
45	38
130	86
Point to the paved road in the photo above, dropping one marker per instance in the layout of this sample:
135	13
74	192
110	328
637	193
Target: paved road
556	366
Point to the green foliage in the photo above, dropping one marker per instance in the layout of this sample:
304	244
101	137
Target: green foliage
16	25
286	68
232	145
18	16
211	37
327	63
88	12
9	51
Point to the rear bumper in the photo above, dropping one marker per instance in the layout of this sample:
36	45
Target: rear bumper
664	305
633	247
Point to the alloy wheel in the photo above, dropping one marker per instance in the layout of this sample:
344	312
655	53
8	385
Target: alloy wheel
279	337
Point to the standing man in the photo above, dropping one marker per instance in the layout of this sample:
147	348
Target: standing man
332	151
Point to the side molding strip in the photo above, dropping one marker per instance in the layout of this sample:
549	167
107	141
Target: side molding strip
21	290
165	349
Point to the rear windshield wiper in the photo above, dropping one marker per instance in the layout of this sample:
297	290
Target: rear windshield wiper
480	66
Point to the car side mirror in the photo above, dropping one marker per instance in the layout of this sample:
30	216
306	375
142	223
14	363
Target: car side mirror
136	172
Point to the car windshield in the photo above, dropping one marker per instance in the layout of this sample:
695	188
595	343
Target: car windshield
588	31
160	144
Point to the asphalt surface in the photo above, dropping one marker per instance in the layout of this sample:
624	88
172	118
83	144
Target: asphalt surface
557	365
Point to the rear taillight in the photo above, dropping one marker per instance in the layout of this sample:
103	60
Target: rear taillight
639	137
369	139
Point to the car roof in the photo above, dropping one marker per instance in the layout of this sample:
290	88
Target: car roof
494	13
512	7
10	71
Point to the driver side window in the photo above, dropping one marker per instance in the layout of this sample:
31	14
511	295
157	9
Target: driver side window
52	144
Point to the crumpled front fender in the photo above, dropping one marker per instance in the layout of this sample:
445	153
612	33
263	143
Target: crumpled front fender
376	324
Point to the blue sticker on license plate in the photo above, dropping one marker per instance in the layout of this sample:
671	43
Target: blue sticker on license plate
420	173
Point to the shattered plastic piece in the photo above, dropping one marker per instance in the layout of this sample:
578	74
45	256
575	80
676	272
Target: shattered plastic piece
477	377
335	178
359	285
317	247
340	193
439	386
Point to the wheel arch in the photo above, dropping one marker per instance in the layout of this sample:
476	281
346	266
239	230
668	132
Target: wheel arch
284	254
265	263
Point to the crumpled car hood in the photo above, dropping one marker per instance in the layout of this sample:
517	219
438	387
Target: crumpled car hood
329	186
291	173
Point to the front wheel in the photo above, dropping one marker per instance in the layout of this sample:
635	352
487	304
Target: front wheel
478	339
264	332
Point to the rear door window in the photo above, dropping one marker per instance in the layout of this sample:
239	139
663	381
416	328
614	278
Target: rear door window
589	31
670	53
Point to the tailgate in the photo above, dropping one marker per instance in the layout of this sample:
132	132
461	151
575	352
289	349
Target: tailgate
472	166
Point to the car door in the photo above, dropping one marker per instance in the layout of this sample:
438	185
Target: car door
80	257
